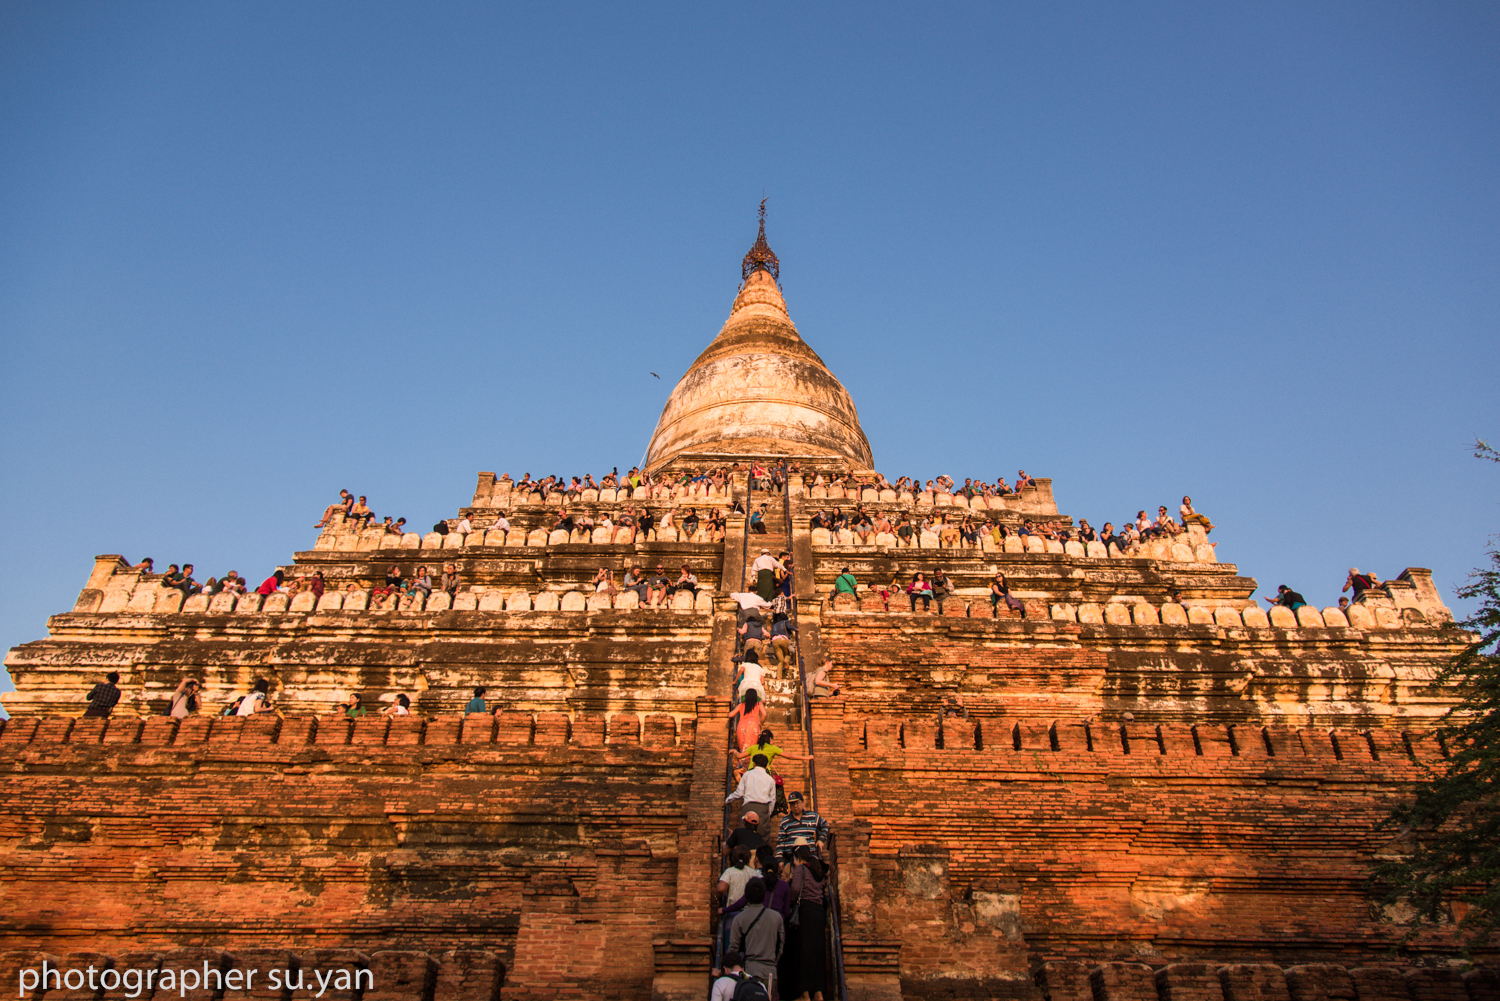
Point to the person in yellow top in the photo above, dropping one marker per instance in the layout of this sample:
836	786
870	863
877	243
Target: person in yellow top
764	746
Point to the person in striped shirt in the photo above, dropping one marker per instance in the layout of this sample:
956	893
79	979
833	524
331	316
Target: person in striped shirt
802	825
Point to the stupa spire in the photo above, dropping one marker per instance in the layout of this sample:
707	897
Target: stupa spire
761	257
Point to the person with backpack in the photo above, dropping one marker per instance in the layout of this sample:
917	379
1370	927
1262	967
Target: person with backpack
758	934
734	974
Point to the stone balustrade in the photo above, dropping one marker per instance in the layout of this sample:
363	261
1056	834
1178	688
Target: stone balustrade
377	539
512	728
148	597
1192	547
1141	613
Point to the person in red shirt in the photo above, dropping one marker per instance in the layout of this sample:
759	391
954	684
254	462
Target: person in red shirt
271	584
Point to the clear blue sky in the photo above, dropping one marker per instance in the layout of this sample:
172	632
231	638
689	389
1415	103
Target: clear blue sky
252	253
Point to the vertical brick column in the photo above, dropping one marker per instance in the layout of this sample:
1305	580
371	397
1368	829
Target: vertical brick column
555	951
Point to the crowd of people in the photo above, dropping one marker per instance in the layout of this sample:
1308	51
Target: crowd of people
773	890
956	531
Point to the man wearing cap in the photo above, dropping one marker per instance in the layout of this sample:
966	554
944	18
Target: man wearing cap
745	834
803	824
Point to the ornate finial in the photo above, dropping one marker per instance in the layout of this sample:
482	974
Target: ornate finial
760	257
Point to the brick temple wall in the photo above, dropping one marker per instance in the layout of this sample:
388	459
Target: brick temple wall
548	842
1157	843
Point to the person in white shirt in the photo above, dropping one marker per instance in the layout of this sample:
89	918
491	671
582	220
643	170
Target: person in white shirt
756	793
734	972
464	527
501	525
255	702
765	561
751	675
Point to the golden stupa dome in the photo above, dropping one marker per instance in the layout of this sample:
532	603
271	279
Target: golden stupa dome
758	389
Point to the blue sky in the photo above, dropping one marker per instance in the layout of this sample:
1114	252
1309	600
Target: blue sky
252	253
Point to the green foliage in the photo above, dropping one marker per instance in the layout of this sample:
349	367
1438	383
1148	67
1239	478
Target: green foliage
1454	818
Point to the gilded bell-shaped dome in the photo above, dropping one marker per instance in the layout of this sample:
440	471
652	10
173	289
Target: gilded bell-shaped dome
758	389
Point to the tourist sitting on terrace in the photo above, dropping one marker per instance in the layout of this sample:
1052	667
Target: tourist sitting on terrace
969	532
801	823
258	701
185	700
393	585
687	581
400	706
758	521
1287	598
1360	582
635	580
603	582
1086	531
421	582
103	696
502	524
948	532
1191	517
1022	480
183	581
271	584
1000	591
476	704
757	792
919	588
905	535
819	685
355	707
450	581
1343	604
690	523
748	718
341	509
864	530
145	565
360	513
844	583
716	524
464	526
1107	535
645	524
399	528
1166	528
659	585
564	521
942	588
